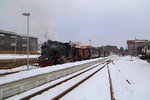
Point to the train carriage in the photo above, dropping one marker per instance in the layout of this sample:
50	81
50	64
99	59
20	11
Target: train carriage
53	52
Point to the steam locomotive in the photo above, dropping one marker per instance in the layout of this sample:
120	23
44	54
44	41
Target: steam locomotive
54	52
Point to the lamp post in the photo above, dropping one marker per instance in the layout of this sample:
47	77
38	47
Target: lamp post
27	14
90	48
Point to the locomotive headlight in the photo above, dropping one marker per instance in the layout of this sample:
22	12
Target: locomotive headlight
46	58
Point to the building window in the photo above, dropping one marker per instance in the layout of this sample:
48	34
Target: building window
24	38
13	44
14	37
148	47
24	45
2	35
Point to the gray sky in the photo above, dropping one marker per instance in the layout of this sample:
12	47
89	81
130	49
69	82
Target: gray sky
103	21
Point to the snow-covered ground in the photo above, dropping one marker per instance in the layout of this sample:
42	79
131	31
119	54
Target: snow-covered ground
39	71
22	95
130	80
21	68
95	88
16	56
59	89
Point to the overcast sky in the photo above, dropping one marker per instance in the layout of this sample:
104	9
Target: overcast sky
103	21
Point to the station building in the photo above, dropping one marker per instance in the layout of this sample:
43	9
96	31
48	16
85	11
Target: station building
13	43
133	46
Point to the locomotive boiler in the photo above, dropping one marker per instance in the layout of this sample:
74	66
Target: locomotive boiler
53	52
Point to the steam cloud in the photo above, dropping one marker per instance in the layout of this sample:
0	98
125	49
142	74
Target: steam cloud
43	29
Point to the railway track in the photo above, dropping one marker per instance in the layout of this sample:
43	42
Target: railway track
24	86
110	84
13	63
93	70
8	64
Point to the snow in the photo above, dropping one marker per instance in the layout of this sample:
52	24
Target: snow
39	71
93	89
130	81
21	68
56	90
16	56
130	77
22	95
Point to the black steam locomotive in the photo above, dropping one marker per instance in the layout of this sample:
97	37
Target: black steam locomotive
53	52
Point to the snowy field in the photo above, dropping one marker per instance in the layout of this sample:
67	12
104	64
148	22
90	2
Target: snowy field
130	80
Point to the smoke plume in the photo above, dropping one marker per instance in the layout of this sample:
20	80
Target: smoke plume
43	29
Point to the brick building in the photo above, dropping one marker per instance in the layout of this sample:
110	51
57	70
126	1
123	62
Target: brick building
133	46
10	42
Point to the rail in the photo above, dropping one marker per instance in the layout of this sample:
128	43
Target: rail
70	88
22	85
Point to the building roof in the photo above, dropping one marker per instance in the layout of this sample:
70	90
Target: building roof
8	32
13	33
77	44
84	47
133	41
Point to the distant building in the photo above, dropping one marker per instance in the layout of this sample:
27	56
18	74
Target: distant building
10	42
133	46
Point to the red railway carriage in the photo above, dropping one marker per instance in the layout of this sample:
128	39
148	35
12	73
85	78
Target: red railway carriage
86	52
79	54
